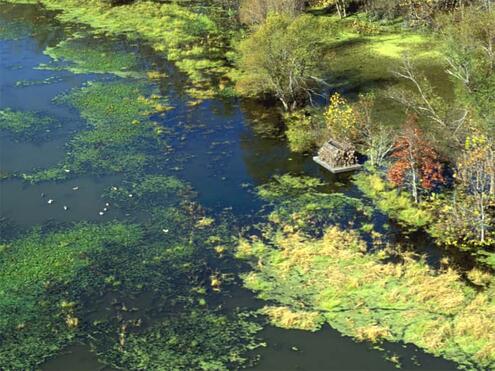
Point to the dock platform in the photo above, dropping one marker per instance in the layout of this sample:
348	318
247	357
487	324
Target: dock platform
336	170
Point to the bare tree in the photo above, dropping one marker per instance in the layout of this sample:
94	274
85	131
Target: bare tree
426	103
377	140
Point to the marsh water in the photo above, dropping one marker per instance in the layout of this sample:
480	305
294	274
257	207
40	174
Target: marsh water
223	148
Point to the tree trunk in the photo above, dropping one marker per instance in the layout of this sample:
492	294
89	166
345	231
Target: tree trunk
482	217
285	104
415	186
492	184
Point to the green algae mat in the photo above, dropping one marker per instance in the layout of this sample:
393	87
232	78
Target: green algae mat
362	286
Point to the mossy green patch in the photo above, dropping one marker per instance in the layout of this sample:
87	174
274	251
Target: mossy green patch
91	55
370	295
396	204
363	62
121	137
298	204
54	288
419	46
187	36
35	272
27	125
364	57
106	103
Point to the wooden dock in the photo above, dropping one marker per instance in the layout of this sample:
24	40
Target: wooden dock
336	170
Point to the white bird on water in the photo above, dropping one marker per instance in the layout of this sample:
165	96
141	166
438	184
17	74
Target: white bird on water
50	201
66	208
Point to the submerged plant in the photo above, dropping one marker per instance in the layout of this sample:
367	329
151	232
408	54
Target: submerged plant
197	339
27	125
14	29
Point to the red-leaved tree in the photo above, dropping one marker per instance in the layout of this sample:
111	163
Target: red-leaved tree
416	164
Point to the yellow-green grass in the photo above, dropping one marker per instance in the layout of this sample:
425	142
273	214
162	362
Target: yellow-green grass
334	279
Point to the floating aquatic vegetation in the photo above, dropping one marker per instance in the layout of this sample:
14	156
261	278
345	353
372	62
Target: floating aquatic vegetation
47	81
397	205
105	102
121	137
14	29
91	55
150	191
194	340
298	204
155	75
35	272
51	282
27	125
334	278
187	37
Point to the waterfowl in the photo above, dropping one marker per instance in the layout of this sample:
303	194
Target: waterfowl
50	201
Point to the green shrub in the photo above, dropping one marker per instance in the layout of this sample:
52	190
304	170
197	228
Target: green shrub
397	204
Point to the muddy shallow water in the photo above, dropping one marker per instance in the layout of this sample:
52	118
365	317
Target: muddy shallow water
219	148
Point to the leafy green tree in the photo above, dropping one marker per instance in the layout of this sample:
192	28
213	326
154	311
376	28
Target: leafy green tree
305	130
283	59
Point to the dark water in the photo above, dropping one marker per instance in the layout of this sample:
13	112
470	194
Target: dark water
221	147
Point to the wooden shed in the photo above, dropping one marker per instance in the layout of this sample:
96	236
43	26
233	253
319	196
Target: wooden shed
337	157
